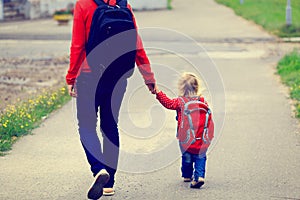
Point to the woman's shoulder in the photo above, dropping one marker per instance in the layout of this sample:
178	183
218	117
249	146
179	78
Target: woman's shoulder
86	4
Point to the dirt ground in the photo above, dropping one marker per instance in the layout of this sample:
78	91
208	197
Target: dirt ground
23	78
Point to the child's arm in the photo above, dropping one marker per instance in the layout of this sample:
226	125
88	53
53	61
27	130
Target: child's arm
172	104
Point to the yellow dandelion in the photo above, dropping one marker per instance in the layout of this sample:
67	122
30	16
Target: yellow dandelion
4	125
11	109
63	90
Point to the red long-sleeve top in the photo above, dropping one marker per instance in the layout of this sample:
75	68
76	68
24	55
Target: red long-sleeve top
83	14
172	104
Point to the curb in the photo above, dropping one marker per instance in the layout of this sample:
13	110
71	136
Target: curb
292	39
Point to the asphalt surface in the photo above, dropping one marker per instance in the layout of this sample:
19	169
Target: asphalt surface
256	151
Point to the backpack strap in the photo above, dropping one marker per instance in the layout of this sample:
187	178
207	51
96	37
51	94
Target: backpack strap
100	2
182	109
122	3
186	112
205	137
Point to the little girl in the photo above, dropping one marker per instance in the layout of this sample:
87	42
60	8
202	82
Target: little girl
193	162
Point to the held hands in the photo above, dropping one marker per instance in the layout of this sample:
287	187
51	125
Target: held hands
153	88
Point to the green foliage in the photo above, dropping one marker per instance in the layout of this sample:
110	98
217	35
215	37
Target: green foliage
63	12
270	14
21	119
289	31
289	70
169	4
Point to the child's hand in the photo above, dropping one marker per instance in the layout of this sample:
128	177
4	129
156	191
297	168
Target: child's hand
157	90
153	88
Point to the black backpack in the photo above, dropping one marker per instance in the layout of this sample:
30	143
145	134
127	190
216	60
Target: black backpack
111	46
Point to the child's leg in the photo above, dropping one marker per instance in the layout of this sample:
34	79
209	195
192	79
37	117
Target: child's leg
187	165
200	165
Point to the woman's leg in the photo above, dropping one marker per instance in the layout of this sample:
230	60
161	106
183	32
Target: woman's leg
110	104
87	121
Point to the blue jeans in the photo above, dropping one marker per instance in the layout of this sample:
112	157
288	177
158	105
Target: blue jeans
107	95
193	165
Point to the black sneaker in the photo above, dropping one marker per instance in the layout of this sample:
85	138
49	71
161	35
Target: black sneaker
96	190
187	179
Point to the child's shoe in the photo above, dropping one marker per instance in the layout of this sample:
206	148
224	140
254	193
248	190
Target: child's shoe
108	191
197	184
96	190
187	179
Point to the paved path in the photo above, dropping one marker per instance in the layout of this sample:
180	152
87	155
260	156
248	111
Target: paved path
256	155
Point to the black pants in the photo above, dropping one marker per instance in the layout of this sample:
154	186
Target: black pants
105	95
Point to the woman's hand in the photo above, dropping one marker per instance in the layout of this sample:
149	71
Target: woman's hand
72	91
152	88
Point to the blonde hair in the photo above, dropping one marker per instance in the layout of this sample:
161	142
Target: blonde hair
188	85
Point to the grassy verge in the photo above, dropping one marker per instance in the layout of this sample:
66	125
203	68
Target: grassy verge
270	14
289	70
21	119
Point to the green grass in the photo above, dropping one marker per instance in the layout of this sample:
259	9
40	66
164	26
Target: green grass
21	119
270	14
289	70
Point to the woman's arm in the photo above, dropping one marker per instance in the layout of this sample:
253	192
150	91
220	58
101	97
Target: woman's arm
141	59
77	50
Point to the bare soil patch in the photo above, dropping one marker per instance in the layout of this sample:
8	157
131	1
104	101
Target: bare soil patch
23	78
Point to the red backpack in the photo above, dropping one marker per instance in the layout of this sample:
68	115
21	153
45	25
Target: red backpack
196	129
